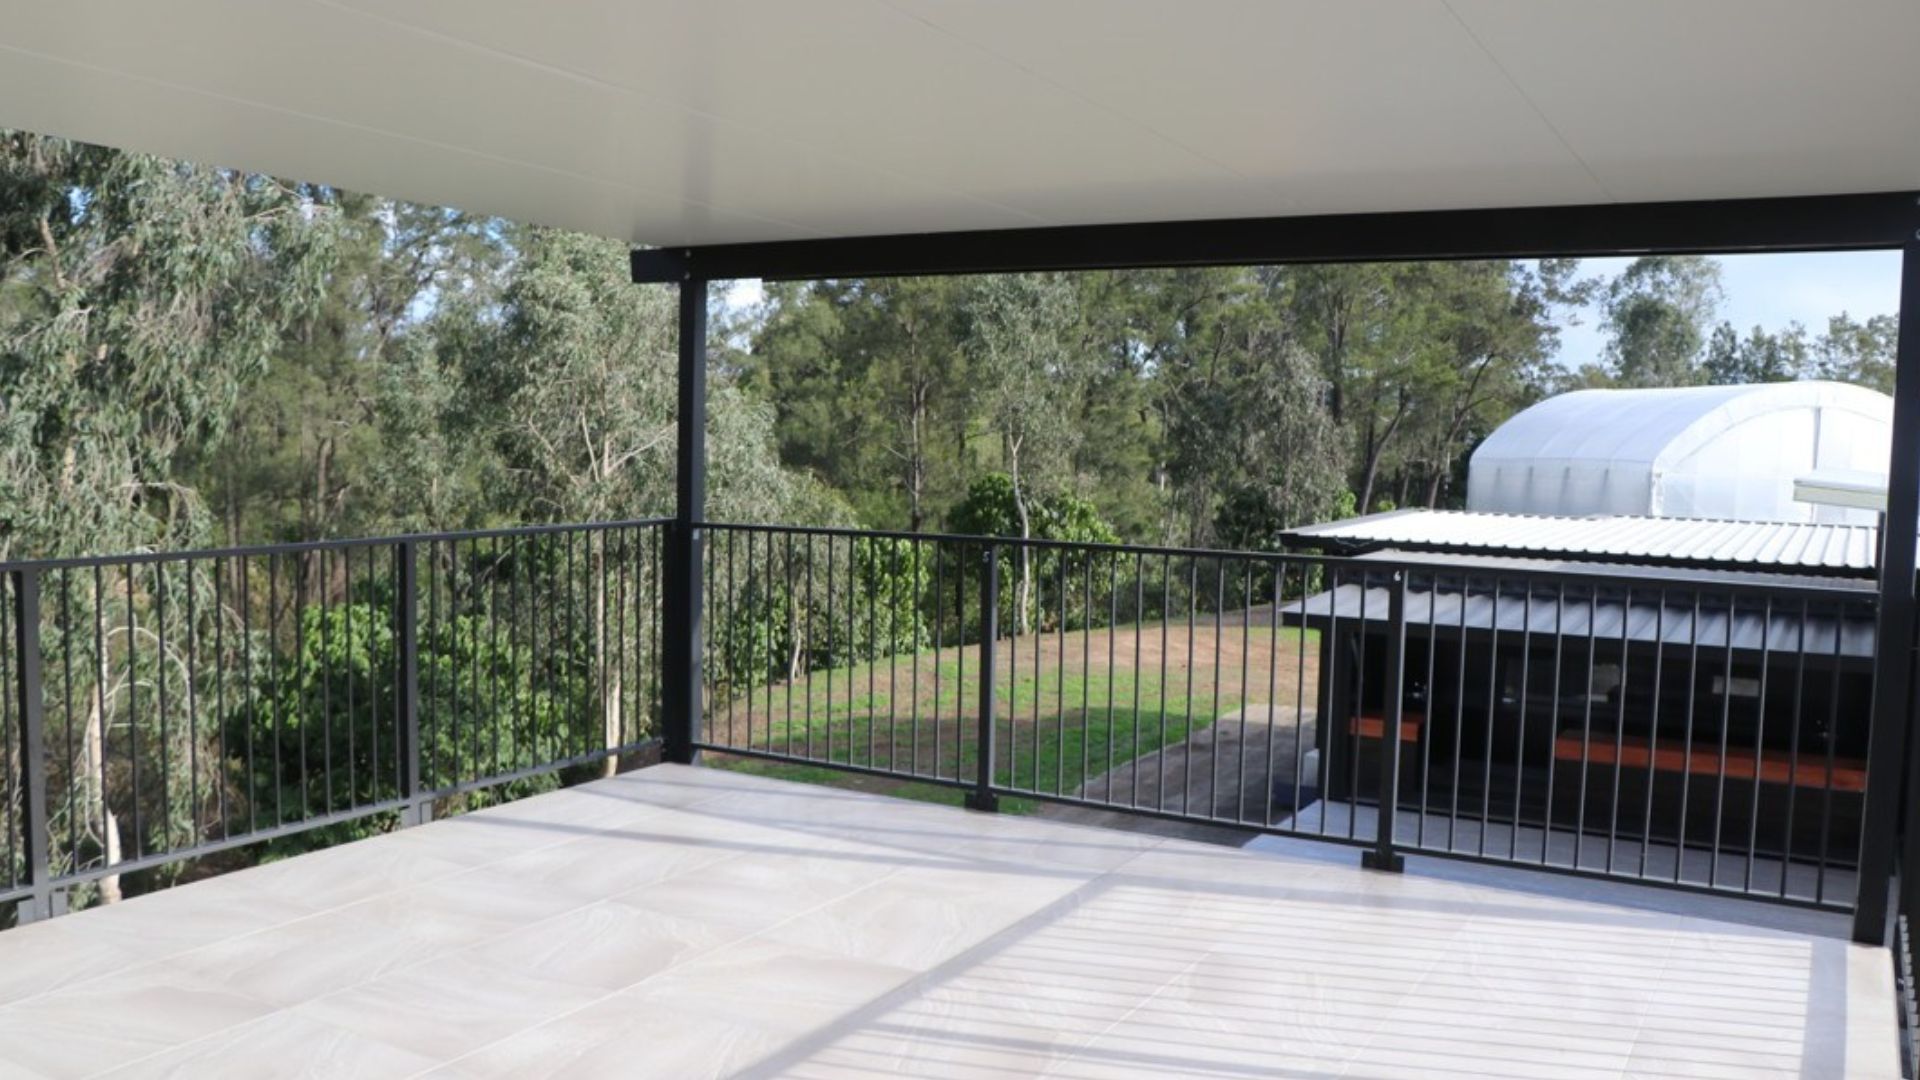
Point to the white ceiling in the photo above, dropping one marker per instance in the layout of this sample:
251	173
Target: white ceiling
703	121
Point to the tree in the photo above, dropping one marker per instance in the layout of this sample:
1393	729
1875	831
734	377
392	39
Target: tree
1761	357
1029	366
1657	314
142	296
1859	352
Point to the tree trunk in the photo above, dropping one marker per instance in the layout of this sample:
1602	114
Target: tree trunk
609	668
1024	591
93	749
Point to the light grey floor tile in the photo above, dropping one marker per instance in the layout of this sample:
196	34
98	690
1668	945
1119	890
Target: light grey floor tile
680	922
281	1044
445	1007
113	1021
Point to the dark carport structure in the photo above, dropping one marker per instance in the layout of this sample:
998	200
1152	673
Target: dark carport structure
780	142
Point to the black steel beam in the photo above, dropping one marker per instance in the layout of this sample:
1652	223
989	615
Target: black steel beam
1892	752
1801	223
681	623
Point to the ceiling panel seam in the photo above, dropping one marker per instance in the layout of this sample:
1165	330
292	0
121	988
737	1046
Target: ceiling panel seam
1565	143
1083	96
640	96
348	125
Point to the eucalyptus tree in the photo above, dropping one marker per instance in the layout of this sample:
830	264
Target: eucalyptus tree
141	297
1029	364
1657	317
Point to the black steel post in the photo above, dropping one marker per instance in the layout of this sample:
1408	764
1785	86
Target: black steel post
33	753
1383	856
418	810
982	796
681	677
1891	754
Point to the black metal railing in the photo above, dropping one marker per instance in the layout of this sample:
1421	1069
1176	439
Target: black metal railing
1697	731
167	707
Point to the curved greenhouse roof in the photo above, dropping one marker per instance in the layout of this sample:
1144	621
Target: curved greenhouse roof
1697	452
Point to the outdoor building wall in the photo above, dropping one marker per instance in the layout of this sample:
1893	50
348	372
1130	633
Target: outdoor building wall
1696	452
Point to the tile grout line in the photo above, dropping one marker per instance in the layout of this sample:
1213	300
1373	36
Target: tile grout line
277	1009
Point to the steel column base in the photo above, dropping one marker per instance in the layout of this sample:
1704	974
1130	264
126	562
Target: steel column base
984	801
1393	864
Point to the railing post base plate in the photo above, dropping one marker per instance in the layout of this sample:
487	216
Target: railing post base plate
1393	864
984	801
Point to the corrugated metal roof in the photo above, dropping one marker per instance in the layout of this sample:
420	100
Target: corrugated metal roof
1658	619
1793	547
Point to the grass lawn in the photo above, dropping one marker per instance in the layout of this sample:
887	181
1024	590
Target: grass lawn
1068	707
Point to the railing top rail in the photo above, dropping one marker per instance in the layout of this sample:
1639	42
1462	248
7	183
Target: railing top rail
1842	591
251	550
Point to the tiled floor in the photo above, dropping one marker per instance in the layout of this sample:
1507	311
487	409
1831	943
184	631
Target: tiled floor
682	923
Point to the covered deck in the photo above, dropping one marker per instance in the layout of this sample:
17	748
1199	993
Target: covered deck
683	921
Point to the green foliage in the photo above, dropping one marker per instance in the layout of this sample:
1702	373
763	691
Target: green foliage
1657	314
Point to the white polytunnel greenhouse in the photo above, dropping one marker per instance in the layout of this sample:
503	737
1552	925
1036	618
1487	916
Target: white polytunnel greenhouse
1730	452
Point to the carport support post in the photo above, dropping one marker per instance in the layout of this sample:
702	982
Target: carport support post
1890	753
681	649
1383	856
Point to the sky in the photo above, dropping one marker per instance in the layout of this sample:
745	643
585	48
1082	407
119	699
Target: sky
1770	291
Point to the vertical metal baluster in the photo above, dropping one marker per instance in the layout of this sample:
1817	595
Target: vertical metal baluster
1112	679
274	689
160	710
832	661
1793	746
300	584
1553	757
982	797
1333	701
1620	729
1493	706
1246	647
133	716
1759	749
1520	732
245	631
1833	737
373	676
1653	722
960	668
873	658
1279	570
1219	646
324	671
751	662
913	679
1139	631
1300	698
807	633
1060	691
1686	756
66	697
854	651
893	656
1586	726
1362	631
791	648
1166	611
1459	716
730	611
219	695
939	633
1086	668
1426	726
1726	725
1186	754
